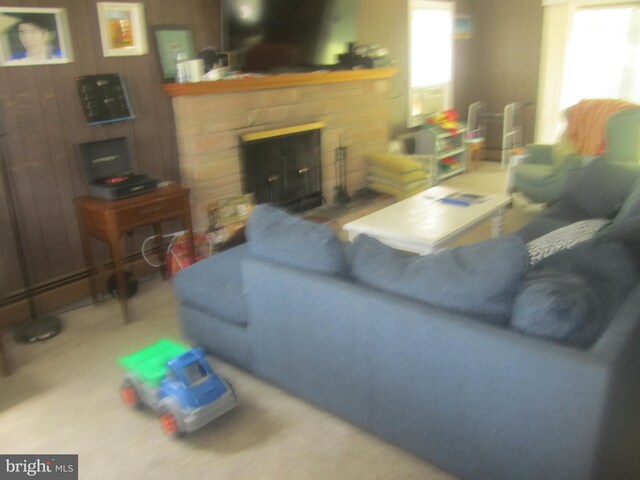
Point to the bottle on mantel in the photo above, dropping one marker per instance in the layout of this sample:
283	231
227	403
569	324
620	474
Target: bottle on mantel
181	71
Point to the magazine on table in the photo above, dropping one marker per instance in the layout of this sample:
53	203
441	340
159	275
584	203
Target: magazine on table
455	197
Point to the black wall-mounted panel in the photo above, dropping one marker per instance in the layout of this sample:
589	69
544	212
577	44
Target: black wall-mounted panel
104	98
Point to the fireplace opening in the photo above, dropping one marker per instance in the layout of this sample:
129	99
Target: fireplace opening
283	166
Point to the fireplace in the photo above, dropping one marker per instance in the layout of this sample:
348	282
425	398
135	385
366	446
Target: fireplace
214	121
283	166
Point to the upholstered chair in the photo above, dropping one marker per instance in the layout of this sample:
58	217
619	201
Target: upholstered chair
595	127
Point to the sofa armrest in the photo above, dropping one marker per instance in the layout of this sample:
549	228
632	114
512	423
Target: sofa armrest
539	154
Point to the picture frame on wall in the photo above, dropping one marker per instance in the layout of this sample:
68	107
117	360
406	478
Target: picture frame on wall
34	36
123	30
462	27
170	41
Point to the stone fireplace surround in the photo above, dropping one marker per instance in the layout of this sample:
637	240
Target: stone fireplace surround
210	118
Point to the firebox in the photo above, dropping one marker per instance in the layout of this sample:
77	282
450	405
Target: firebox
283	166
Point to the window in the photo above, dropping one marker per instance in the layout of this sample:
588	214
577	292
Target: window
430	58
590	49
603	55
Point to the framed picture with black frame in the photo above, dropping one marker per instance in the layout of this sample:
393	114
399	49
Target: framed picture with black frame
172	41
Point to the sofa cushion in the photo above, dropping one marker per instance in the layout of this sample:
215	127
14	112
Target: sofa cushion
560	307
214	286
571	296
631	206
292	241
481	279
625	231
562	238
600	187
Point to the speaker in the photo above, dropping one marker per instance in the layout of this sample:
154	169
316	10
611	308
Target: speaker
37	329
131	287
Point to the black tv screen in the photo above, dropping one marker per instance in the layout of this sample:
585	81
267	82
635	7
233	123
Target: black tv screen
282	34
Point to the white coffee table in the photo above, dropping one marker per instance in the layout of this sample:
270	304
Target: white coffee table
424	224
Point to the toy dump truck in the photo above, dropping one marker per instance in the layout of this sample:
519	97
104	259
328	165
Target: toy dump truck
178	383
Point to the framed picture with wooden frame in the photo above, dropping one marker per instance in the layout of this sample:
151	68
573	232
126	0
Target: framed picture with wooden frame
34	36
171	40
123	31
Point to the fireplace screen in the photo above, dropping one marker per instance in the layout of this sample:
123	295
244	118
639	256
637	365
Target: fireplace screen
283	167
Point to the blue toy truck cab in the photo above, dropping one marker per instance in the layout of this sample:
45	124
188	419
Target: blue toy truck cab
191	381
183	389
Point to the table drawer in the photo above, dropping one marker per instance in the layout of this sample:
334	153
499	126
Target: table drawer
161	209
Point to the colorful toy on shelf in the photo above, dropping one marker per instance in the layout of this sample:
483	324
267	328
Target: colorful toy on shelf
445	120
449	164
177	383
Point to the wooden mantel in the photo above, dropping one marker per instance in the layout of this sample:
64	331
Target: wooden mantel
276	81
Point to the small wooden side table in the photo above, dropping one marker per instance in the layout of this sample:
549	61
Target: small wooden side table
109	221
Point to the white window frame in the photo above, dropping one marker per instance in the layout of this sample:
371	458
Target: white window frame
556	29
431	98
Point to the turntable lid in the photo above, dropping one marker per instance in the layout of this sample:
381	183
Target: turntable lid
105	159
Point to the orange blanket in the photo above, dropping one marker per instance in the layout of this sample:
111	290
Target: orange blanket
586	121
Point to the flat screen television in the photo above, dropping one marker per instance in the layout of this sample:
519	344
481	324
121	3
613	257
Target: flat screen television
285	35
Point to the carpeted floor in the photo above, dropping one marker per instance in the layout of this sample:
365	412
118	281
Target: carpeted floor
63	398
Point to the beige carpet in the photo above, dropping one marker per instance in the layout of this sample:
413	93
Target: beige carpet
63	398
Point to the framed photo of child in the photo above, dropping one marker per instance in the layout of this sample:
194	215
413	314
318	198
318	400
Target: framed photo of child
34	36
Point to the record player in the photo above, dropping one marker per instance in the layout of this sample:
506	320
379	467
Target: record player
109	172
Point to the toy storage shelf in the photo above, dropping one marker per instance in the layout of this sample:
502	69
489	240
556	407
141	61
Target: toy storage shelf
447	149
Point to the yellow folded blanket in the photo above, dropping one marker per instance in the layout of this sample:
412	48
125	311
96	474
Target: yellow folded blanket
400	178
402	186
394	163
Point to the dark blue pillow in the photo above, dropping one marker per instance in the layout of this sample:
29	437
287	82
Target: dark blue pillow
481	279
290	240
558	306
572	295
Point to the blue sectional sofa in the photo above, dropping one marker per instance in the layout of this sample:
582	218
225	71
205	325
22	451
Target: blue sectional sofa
473	359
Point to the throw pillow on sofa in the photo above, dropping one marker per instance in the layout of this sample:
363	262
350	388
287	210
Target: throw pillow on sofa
599	189
571	296
481	279
563	238
290	240
558	306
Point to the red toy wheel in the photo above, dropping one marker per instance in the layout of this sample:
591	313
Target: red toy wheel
170	425
130	396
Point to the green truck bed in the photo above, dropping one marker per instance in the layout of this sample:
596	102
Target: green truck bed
150	364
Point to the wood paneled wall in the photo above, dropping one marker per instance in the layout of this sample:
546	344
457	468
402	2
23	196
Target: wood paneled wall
507	56
43	121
